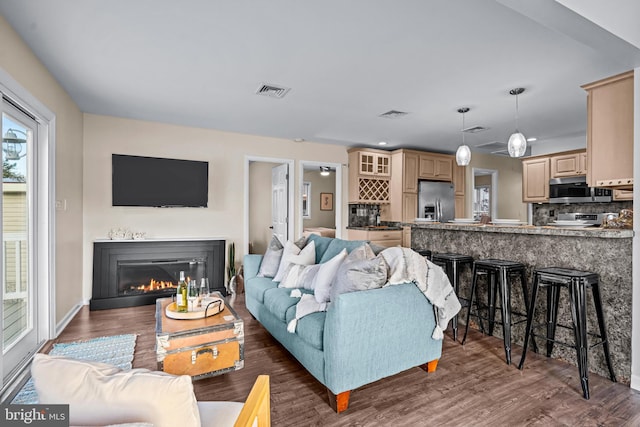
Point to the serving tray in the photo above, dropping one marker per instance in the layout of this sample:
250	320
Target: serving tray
209	307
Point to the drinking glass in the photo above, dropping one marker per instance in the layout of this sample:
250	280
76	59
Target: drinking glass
204	287
192	294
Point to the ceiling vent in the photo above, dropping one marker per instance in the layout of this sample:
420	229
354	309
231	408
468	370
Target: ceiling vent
273	91
474	129
492	146
393	114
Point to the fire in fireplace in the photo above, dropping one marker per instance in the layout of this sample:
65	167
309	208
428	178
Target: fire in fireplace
143	277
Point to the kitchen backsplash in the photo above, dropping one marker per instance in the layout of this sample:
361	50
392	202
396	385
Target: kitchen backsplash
543	213
361	214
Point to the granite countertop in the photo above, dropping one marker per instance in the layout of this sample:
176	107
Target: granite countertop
376	228
529	229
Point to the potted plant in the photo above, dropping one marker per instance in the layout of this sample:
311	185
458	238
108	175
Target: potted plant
231	269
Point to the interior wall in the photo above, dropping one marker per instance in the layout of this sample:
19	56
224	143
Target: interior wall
320	184
260	209
509	185
17	59
226	153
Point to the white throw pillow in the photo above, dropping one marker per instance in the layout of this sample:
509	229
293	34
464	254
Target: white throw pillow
101	394
293	255
324	278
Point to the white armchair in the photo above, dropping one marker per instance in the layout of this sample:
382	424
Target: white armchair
99	394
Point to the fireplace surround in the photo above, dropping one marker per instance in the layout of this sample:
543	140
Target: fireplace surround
128	273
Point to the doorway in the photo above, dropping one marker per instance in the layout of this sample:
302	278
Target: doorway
260	195
27	234
485	193
319	182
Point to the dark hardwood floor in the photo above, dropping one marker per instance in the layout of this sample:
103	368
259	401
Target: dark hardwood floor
472	385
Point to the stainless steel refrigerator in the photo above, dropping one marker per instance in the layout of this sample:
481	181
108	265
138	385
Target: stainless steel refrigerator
436	200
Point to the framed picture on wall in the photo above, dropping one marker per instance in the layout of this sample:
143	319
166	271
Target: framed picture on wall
326	201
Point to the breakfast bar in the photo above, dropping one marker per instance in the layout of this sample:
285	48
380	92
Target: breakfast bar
607	252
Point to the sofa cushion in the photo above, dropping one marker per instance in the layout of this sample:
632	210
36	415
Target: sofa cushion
256	287
337	245
322	243
293	255
278	301
299	276
310	329
271	260
324	278
359	275
101	394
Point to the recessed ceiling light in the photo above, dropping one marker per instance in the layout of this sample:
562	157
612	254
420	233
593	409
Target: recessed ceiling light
382	143
532	139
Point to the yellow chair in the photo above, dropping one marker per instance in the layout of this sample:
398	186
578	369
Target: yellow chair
255	411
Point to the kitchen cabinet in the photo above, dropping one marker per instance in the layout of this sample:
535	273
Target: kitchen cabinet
622	195
406	237
610	132
386	238
404	185
459	184
535	179
374	163
369	175
569	164
438	167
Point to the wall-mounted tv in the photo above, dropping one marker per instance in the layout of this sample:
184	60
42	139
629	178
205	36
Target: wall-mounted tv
158	182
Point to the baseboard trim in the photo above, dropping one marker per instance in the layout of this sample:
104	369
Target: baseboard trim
635	382
66	319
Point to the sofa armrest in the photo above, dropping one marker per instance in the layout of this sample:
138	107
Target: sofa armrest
251	265
369	335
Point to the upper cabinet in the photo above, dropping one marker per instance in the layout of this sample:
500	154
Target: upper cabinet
459	183
369	175
438	167
374	163
569	164
610	132
535	180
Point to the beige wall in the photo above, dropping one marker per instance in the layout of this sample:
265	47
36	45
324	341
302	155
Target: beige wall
226	153
19	61
260	210
509	189
320	184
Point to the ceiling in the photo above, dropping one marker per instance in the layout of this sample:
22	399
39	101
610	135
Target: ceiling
199	63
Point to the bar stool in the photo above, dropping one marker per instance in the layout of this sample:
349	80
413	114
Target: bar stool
451	264
577	282
425	253
501	270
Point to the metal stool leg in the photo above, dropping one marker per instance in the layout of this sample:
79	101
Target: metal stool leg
473	294
595	289
553	296
505	302
531	312
492	300
456	285
525	295
578	313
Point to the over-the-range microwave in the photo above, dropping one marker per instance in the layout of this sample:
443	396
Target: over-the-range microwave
576	190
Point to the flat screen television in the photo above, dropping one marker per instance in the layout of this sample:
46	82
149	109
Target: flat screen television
159	182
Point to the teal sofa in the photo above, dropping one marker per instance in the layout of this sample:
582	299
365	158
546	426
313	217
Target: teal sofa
362	337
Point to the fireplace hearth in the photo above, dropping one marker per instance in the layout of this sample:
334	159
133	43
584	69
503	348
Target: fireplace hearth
130	273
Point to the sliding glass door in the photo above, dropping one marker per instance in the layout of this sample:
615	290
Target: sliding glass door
20	335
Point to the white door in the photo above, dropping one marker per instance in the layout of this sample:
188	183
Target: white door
279	201
20	303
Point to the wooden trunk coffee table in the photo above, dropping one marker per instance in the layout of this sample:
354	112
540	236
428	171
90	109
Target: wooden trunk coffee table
201	348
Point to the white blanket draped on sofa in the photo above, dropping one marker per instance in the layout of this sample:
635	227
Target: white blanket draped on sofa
405	265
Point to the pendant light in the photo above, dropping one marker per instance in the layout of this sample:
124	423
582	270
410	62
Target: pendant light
517	142
463	153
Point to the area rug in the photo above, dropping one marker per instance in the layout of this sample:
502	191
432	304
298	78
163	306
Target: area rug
115	350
